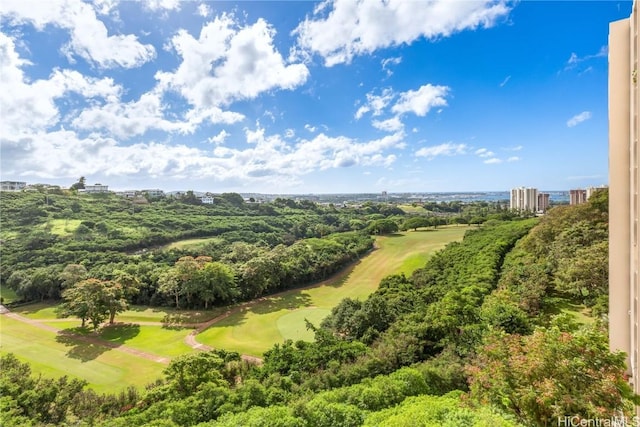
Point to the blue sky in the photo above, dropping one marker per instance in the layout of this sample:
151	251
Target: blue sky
306	97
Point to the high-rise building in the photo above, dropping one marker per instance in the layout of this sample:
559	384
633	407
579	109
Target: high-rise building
624	184
543	202
577	196
524	199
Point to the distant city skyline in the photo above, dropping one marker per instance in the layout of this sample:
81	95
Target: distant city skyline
306	97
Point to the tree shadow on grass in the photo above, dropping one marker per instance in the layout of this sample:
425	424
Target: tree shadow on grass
282	302
86	345
81	348
119	333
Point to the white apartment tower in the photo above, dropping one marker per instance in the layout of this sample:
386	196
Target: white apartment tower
524	199
624	186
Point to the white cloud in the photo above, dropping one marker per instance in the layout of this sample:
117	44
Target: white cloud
158	5
219	138
446	149
574	60
60	154
204	10
578	118
89	38
493	161
422	100
340	30
310	128
513	159
289	133
31	106
125	120
228	63
483	152
375	103
390	125
505	81
388	62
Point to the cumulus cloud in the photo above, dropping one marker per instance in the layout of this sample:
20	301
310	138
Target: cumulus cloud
375	103
89	38
161	5
513	159
65	154
228	62
204	10
29	106
343	29
219	138
446	149
390	125
421	101
578	118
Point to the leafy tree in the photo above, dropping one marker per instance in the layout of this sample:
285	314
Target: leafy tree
79	185
169	284
415	223
72	274
382	226
216	281
552	374
94	300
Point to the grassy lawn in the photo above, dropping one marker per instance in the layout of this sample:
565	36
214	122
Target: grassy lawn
256	329
105	369
46	311
168	342
192	243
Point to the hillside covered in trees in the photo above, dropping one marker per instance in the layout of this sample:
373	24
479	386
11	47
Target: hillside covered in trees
505	328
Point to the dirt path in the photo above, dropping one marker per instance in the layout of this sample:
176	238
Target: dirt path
89	339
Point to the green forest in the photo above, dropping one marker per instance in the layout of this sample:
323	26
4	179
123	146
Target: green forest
505	328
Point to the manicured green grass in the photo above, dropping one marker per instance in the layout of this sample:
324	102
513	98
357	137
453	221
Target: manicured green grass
106	370
257	328
192	243
168	342
45	311
8	295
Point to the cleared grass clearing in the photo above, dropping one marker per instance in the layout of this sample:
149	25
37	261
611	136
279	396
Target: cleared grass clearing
255	329
413	209
62	227
106	370
192	243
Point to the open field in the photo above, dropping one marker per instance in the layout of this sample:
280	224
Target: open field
191	243
62	227
256	328
46	311
106	370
